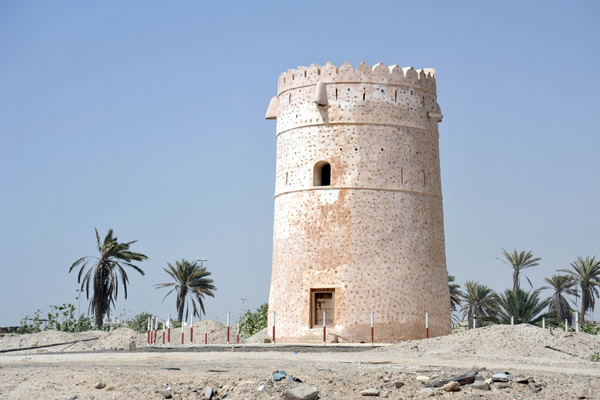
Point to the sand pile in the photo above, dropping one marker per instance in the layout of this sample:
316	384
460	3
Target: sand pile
508	342
258	337
12	341
119	339
217	333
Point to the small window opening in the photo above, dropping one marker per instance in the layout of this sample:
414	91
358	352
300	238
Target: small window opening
395	96
364	93
336	94
286	178
290	98
322	174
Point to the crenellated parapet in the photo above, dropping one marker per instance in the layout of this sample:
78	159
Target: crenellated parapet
423	79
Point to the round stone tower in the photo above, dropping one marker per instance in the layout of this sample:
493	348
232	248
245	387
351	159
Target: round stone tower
358	224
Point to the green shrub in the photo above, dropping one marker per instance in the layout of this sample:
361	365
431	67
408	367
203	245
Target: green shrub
590	328
253	322
595	357
139	323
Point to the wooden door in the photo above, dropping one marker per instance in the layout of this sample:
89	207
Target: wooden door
323	301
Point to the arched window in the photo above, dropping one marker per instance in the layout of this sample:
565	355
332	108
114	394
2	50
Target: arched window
322	174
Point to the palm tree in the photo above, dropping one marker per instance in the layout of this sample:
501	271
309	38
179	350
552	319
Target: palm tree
190	279
104	272
455	293
519	262
479	301
524	307
561	285
586	274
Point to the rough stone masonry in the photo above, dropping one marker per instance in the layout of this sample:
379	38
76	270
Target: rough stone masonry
358	224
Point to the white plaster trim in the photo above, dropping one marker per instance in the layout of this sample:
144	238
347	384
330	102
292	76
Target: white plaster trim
358	188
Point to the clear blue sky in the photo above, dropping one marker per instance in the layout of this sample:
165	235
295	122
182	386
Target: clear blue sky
148	117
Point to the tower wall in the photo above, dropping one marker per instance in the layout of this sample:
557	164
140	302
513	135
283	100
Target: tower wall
375	235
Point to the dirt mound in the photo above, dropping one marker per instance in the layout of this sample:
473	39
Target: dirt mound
258	337
508	342
217	333
119	339
14	341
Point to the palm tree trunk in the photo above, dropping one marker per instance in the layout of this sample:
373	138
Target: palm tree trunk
515	282
98	313
181	302
99	296
470	319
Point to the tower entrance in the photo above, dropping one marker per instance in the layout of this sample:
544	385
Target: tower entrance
322	301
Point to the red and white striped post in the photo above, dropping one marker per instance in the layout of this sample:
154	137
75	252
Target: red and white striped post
156	334
148	344
206	333
273	327
155	329
372	326
191	330
163	332
237	329
427	325
151	330
324	328
182	332
228	327
169	330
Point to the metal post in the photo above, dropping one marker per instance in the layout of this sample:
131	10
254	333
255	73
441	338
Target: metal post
148	344
237	329
324	328
163	332
182	332
512	320
227	327
155	330
169	330
372	324
427	325
206	333
566	325
273	327
475	322
576	322
544	323
191	329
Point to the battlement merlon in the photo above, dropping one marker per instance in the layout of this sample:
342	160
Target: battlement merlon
364	73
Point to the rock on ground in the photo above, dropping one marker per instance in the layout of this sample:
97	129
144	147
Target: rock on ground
303	391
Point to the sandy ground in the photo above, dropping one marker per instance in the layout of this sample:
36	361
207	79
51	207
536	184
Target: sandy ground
563	371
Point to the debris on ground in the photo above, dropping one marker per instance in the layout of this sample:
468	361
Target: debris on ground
279	375
369	392
302	391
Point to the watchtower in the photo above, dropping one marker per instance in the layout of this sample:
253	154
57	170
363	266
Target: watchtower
358	224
